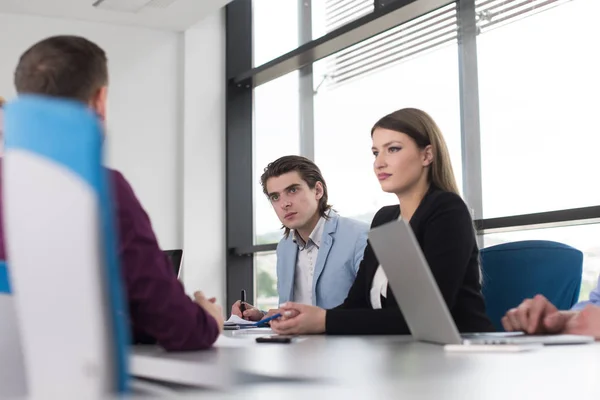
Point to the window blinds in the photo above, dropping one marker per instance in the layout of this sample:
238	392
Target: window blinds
396	45
423	34
495	13
340	12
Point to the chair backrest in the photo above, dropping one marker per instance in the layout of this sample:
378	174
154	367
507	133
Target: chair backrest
515	271
13	382
61	250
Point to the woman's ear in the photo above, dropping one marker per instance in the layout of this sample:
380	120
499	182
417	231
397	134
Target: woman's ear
427	156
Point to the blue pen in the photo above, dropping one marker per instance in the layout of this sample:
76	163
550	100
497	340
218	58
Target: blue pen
264	321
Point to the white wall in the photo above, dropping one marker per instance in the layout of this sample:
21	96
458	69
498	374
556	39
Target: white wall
144	96
166	127
204	157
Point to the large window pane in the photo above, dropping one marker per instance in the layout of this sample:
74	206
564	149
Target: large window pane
265	277
345	114
275	28
276	23
583	237
539	83
276	134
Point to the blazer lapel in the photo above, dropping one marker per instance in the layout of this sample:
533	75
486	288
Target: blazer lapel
416	220
326	242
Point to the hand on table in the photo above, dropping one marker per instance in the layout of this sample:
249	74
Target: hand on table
299	319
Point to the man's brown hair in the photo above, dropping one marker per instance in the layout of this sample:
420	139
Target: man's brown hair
62	66
308	171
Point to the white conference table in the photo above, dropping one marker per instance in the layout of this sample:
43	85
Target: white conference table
377	367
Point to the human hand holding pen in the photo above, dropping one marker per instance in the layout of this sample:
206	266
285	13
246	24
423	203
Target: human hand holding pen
251	313
243	302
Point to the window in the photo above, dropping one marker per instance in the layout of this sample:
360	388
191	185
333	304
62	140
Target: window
276	23
537	91
275	26
328	15
265	278
414	65
539	85
276	134
581	237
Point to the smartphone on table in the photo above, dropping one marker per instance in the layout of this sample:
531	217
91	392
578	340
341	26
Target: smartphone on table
275	339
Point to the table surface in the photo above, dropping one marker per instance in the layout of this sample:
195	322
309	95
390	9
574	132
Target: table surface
382	366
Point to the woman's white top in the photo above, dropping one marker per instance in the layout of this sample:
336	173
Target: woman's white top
379	287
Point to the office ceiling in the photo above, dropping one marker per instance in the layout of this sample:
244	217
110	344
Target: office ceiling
175	15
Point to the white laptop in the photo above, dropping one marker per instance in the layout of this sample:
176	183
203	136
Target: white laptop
419	297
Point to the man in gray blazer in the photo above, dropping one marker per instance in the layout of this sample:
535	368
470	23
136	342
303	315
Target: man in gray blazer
320	252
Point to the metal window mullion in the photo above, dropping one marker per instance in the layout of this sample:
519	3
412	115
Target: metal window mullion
239	139
305	92
469	109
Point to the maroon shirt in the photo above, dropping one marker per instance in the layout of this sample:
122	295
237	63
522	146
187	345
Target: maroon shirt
159	310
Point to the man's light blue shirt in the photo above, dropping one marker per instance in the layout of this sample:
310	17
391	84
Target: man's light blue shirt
594	298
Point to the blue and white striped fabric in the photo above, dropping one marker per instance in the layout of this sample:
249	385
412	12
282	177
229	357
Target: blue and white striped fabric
61	246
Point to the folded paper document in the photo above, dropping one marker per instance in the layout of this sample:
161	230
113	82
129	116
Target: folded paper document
235	320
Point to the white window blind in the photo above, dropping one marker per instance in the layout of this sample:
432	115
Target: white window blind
495	13
413	38
340	12
401	43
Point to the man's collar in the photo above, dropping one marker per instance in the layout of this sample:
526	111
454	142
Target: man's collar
315	236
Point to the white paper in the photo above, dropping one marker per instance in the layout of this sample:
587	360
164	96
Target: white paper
235	320
253	331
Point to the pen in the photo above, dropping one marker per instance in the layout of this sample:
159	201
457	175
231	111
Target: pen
264	321
242	303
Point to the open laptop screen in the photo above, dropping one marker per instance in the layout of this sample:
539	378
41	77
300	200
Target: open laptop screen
175	257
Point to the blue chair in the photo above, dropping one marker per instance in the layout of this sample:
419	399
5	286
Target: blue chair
515	271
62	251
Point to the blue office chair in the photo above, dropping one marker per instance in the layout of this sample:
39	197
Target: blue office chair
61	249
515	271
